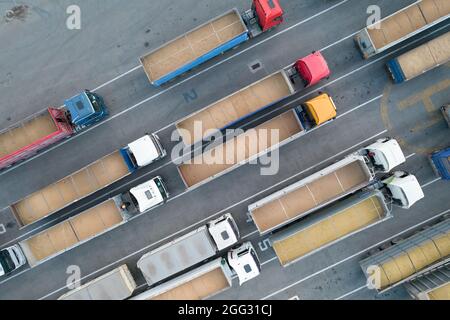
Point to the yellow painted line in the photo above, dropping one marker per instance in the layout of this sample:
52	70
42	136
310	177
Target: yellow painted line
425	96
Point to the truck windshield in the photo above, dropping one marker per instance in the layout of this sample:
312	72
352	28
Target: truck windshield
95	102
6	261
161	187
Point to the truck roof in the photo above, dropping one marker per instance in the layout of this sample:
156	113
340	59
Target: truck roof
313	68
79	107
147	195
407	189
322	108
177	255
144	150
388	153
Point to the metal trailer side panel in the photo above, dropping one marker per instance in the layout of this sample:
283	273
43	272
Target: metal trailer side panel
235	107
401	25
195	47
410	257
71	233
425	57
330	226
432	285
201	283
205	168
310	194
35	133
177	255
117	284
76	186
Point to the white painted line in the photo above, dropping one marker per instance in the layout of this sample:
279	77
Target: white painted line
173	86
117	78
213	215
430	182
353	255
411	155
351	292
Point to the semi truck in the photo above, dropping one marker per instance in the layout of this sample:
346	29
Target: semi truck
420	60
250	144
401	26
440	162
93	222
405	259
27	137
209	279
188	250
255	98
88	180
11	259
334	182
445	109
209	40
118	284
352	215
432	285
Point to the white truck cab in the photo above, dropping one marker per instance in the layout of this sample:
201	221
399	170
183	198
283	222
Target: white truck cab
11	258
404	189
144	151
224	231
245	262
144	196
386	154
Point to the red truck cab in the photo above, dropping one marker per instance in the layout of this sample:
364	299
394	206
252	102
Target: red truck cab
312	68
269	13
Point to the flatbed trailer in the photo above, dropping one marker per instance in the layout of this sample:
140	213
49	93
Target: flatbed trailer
409	258
225	112
329	226
73	232
118	284
421	59
401	26
201	283
203	168
84	182
314	192
432	285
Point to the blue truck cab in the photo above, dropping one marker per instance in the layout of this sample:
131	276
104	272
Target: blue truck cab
440	161
85	109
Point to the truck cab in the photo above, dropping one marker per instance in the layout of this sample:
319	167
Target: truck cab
11	258
144	196
224	231
85	109
310	69
403	189
263	16
316	111
385	154
440	162
245	262
143	152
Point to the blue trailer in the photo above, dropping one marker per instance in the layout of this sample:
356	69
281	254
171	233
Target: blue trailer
440	161
209	40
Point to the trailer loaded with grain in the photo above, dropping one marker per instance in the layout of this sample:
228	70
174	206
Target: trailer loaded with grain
401	26
87	180
326	186
209	40
421	59
408	258
26	138
345	218
431	285
93	222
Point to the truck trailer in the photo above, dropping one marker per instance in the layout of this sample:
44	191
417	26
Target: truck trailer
93	222
189	250
209	40
336	181
408	258
117	284
345	218
257	97
88	180
440	162
209	279
27	137
420	60
432	285
401	26
234	152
